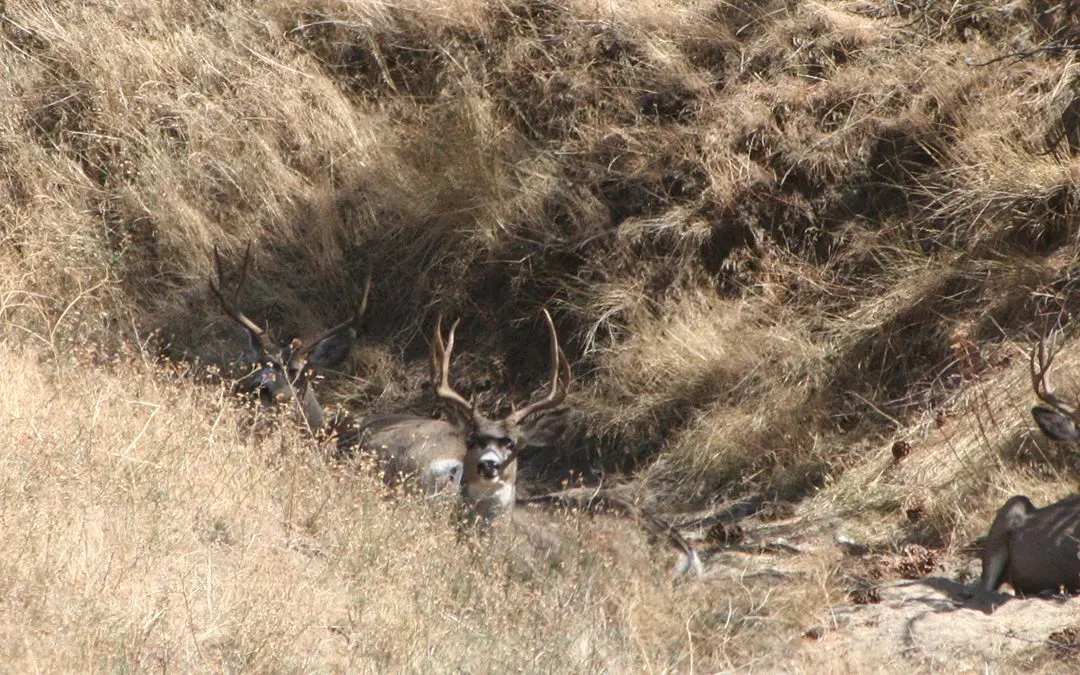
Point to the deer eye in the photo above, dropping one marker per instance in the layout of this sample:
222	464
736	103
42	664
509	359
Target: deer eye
508	443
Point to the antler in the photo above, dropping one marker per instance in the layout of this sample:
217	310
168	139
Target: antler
344	325
560	380
440	371
258	334
1041	360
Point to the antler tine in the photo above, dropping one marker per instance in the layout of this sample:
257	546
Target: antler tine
436	350
308	345
440	361
560	379
250	326
352	319
217	268
1041	360
367	290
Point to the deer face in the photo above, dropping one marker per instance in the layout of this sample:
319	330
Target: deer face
287	377
275	378
268	384
492	445
490	464
284	374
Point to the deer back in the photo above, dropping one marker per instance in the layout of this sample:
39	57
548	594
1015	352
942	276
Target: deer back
1033	549
429	450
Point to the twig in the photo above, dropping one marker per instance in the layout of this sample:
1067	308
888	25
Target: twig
1023	55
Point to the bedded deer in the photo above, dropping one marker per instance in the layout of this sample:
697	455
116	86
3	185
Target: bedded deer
477	455
1037	549
470	451
284	374
1033	550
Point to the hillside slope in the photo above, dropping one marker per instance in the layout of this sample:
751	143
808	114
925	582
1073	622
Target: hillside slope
797	253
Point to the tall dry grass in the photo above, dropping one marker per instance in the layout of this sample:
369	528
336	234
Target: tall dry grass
145	529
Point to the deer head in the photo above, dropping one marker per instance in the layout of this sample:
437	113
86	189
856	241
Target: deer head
1057	419
492	445
284	374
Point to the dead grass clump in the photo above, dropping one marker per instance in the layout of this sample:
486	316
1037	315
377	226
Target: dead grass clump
990	21
142	530
1002	184
692	360
927	335
162	132
1057	23
808	41
1065	643
682	381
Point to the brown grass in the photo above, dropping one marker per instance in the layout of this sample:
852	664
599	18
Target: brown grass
777	237
143	531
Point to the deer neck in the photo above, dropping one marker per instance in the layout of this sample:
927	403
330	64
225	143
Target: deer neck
310	409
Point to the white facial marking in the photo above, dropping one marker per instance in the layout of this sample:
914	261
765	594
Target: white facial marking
503	493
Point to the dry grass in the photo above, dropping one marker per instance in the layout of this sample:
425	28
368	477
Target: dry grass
777	238
143	531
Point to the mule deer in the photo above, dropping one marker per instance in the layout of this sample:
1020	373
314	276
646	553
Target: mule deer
471	451
1033	549
477	455
284	374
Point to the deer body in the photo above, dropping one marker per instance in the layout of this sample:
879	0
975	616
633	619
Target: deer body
475	457
1033	550
470	452
478	454
429	450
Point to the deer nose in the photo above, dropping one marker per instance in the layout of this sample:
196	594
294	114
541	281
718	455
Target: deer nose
488	468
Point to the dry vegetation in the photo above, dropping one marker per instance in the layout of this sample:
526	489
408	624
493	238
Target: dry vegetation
783	241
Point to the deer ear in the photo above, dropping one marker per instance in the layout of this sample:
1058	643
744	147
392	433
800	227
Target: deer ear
332	349
253	350
1054	424
546	428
